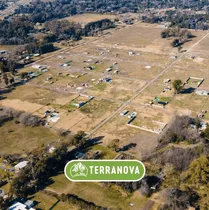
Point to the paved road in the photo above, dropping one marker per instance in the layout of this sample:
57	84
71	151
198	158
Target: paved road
140	90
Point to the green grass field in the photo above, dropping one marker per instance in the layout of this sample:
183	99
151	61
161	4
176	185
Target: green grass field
110	196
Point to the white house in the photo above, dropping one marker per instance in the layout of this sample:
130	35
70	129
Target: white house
20	165
20	206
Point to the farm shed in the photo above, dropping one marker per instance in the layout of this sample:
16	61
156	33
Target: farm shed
20	165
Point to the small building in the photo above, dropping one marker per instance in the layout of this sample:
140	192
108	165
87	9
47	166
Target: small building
91	68
3	52
125	112
131	53
81	101
107	79
108	69
202	92
52	150
66	63
36	66
20	206
29	203
20	166
148	67
166	80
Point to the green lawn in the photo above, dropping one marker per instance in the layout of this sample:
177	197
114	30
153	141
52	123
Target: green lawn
107	153
107	196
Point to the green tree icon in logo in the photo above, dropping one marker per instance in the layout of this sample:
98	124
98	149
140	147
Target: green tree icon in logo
78	169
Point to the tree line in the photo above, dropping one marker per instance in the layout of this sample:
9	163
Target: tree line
180	19
20	30
44	11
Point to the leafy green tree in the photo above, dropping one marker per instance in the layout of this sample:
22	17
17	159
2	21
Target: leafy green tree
198	172
19	187
79	139
177	85
175	43
114	145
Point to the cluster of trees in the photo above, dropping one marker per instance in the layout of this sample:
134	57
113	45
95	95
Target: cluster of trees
198	172
81	203
27	119
79	139
178	86
7	65
179	18
4	203
181	35
20	30
94	27
7	71
180	158
15	31
178	199
43	164
39	47
185	170
180	130
7	79
43	11
190	21
37	173
64	30
3	5
147	186
8	114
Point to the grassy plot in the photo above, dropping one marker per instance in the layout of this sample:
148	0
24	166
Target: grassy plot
192	102
97	108
165	99
100	86
16	138
107	196
147	124
107	153
49	202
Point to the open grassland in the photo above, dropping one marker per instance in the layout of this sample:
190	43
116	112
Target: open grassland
150	63
150	56
87	18
16	138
